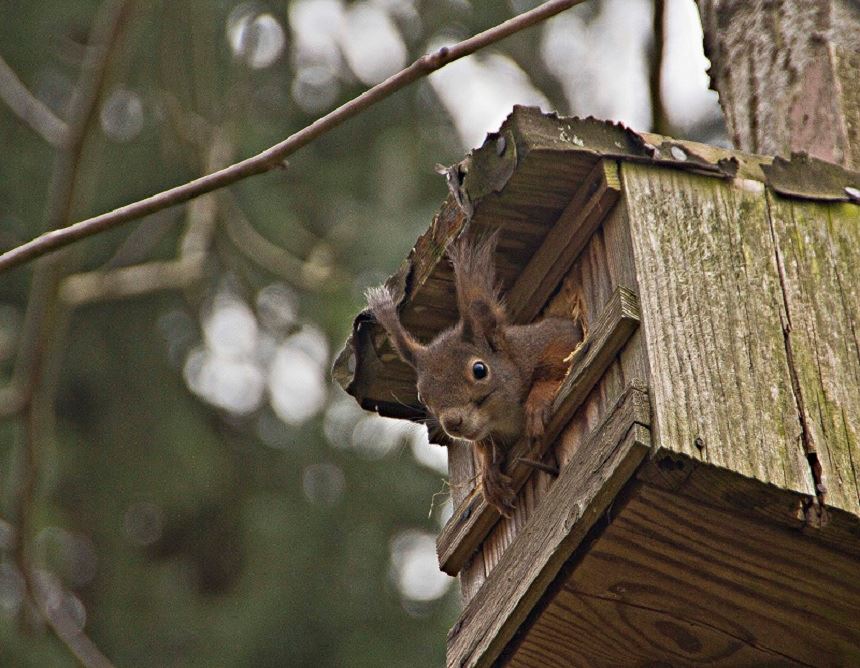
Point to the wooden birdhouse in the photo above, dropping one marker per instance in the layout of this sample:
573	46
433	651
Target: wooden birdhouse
698	495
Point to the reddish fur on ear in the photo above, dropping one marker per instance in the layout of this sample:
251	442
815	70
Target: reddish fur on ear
380	301
481	308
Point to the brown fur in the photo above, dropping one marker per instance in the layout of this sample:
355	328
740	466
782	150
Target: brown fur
525	362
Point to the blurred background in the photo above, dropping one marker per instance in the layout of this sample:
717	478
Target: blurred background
195	490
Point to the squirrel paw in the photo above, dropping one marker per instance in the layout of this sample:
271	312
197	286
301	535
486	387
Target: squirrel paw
537	418
498	492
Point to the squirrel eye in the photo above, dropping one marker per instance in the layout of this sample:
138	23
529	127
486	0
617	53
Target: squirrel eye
480	370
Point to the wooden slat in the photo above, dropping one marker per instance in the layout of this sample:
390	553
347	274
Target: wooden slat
461	478
461	471
701	484
474	518
583	491
472	577
606	338
621	266
565	241
818	253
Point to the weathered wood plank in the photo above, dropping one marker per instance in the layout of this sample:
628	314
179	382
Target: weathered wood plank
586	630
818	253
581	494
711	300
461	480
621	267
472	577
474	518
565	241
705	570
461	471
700	484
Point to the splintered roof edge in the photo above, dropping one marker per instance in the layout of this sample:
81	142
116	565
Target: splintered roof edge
519	181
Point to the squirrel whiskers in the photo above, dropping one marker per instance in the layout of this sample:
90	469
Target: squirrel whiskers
485	380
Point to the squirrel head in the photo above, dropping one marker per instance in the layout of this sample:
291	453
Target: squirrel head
467	377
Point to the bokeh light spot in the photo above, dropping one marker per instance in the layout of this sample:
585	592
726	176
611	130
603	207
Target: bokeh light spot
414	568
121	115
257	39
323	484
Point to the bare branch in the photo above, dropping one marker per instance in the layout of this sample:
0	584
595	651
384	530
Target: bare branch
78	642
41	303
82	109
274	156
29	108
46	322
270	257
61	623
134	281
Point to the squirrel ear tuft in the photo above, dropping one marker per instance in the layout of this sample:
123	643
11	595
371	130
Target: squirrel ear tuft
482	311
380	301
484	322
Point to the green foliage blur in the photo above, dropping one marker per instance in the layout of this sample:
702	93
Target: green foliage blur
194	508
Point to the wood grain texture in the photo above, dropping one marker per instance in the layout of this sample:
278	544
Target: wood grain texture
461	480
711	302
475	518
506	529
579	625
687	583
700	484
565	241
461	471
620	267
818	255
580	495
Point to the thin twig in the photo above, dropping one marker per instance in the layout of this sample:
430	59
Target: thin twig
29	108
274	156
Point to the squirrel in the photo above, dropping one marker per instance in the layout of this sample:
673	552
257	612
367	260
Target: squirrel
485	380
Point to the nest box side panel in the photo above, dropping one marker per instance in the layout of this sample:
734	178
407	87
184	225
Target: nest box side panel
712	305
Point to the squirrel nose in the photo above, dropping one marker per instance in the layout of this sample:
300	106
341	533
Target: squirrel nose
453	424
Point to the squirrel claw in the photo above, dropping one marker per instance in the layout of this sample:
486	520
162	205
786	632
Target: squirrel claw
498	491
537	418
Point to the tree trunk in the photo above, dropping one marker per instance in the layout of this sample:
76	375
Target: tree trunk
787	74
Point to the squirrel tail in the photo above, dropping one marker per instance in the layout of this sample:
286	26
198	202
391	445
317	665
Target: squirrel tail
382	305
